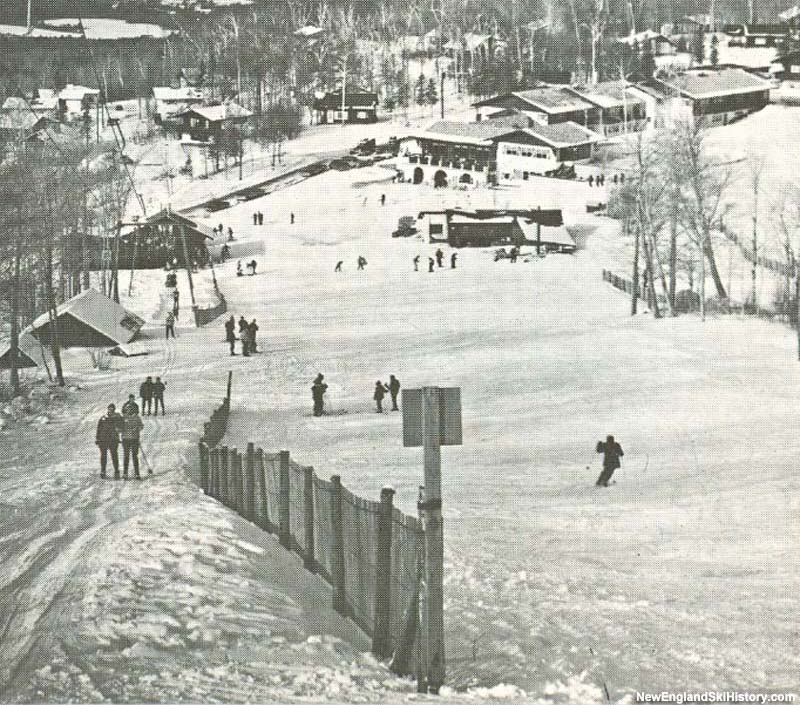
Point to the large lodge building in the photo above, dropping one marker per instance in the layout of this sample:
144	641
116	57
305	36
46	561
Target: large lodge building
533	132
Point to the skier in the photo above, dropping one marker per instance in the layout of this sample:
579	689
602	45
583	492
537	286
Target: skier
318	390
591	180
291	218
439	256
132	426
244	335
361	262
255	218
107	439
130	405
383	199
431	262
158	395
176	306
146	394
612	452
416	263
225	252
252	329
453	259
380	393
230	336
394	390
338	267
253	265
230	234
239	272
260	218
169	324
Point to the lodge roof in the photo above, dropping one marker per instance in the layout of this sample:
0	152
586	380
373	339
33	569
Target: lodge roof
716	83
562	134
469	132
99	313
606	94
186	93
547	99
73	92
647	35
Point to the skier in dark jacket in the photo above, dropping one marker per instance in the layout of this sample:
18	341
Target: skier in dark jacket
380	393
612	452
146	394
416	263
431	262
439	257
130	405
318	390
158	395
230	335
130	431
244	335
252	329
107	439
394	390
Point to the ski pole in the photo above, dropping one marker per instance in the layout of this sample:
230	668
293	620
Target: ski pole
146	461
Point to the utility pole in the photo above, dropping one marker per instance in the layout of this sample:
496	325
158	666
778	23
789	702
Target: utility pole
29	15
344	85
441	95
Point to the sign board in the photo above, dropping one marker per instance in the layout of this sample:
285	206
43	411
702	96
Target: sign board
449	417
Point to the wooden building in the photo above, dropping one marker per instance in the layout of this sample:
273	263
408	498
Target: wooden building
756	35
360	105
546	105
207	123
618	109
492	228
89	320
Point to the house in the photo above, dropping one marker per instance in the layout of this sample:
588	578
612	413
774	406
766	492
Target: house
170	102
20	125
492	228
546	105
471	50
718	96
89	320
158	241
29	353
206	123
619	111
359	105
689	25
756	35
663	49
309	33
491	151
74	100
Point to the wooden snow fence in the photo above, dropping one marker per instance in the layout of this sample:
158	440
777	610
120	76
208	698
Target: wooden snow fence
626	285
367	550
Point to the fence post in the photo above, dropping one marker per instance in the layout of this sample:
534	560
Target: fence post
214	473
236	464
337	546
250	484
204	467
224	485
284	532
230	385
309	558
262	482
381	637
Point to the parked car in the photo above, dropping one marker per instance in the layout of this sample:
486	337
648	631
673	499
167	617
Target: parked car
364	147
344	163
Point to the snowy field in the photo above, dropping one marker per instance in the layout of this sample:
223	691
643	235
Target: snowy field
682	576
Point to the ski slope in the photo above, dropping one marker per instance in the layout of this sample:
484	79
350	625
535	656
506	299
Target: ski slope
683	575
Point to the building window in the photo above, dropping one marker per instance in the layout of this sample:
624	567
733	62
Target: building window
525	175
436	229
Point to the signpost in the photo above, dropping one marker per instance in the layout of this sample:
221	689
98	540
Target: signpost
431	419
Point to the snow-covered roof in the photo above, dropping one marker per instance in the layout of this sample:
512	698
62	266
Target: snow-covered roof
606	94
547	99
647	35
73	92
548	235
167	93
30	352
100	313
466	132
790	14
469	41
713	84
309	31
562	134
216	113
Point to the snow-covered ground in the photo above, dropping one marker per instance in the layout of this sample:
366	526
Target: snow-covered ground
682	576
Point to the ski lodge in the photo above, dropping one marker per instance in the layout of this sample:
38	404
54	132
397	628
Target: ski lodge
543	229
89	320
206	123
171	102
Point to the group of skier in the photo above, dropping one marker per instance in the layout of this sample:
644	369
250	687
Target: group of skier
436	261
258	218
113	428
319	389
247	335
252	265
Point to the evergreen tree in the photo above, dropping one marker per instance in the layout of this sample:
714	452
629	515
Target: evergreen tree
699	44
714	57
419	90
431	92
647	62
402	89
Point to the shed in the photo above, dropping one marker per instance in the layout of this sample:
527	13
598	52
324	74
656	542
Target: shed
360	105
89	320
29	349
